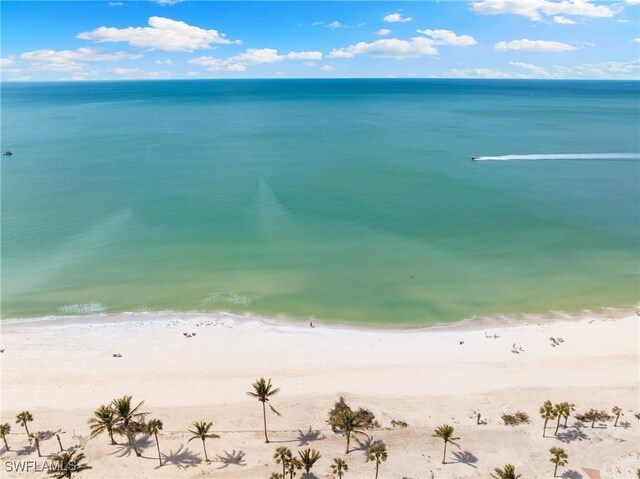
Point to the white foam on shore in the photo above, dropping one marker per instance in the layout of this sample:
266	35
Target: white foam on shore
563	156
285	323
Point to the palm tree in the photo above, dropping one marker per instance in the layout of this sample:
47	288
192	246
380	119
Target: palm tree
548	412
567	409
201	431
445	432
558	457
35	438
67	464
562	410
350	423
129	419
276	475
283	455
377	452
4	430
263	390
617	412
23	418
104	419
153	426
507	472
308	457
339	467
293	465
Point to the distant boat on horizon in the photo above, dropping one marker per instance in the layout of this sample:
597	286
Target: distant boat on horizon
7	153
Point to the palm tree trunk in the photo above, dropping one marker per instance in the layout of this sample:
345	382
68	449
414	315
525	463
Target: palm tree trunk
264	418
615	424
110	431
132	443
5	442
206	458
59	442
377	466
565	420
158	446
593	423
27	429
557	426
444	456
544	428
348	440
284	471
37	442
555	470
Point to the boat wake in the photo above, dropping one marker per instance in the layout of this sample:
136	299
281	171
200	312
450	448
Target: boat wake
562	156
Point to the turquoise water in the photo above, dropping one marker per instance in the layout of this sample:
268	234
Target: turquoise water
347	200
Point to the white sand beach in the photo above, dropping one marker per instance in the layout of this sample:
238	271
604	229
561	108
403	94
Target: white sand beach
62	370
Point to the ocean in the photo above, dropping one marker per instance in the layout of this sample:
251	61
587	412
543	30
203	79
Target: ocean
352	201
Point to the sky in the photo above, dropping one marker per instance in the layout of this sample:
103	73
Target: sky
172	39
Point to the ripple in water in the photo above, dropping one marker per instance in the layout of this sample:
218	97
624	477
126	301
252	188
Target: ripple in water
87	308
228	297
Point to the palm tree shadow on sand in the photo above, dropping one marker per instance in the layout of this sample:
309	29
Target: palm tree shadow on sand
26	450
571	435
182	458
304	438
233	458
124	450
572	474
363	444
465	457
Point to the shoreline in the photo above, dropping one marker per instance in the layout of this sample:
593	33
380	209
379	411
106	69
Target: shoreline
282	321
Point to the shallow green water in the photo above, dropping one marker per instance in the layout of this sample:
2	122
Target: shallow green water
351	200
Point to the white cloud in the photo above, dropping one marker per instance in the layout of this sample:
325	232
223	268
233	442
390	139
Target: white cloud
304	56
69	60
637	40
166	3
163	62
252	56
383	32
20	78
115	4
5	62
604	70
326	68
633	2
396	18
534	70
340	53
161	34
84	75
533	46
537	9
476	73
388	48
137	73
447	37
563	20
335	24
